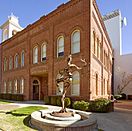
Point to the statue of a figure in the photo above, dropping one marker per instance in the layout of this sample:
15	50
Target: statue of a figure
66	78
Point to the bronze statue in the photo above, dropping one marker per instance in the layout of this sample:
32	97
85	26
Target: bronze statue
65	76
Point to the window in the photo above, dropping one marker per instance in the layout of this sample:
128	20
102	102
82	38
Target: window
5	64
22	86
107	87
5	86
22	59
101	52
5	34
35	55
96	84
104	88
16	61
59	89
75	90
10	63
75	42
43	52
94	42
10	87
15	86
98	48
60	46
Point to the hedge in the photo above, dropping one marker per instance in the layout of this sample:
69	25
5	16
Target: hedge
98	105
16	97
56	101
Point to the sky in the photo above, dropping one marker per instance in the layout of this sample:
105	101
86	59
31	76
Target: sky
30	11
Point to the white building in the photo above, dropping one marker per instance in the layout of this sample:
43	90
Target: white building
10	27
122	63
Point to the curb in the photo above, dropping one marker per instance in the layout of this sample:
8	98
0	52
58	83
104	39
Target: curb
122	109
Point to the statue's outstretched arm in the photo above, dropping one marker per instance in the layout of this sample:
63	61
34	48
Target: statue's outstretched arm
84	61
73	65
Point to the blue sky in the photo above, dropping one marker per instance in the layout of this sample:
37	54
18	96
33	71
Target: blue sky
29	11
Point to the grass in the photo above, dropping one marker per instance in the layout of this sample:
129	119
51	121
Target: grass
26	110
8	122
4	102
18	119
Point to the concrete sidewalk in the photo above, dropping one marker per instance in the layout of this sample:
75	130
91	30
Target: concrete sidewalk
119	120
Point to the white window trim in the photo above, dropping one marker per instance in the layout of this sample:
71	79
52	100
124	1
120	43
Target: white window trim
59	46
74	73
22	58
10	87
16	64
5	87
72	44
35	60
5	64
43	52
10	63
22	86
15	86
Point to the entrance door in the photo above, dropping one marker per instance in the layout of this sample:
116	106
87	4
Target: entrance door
35	90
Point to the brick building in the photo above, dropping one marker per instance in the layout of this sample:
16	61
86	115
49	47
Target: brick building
32	57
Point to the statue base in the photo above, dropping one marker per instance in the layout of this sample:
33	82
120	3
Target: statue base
62	114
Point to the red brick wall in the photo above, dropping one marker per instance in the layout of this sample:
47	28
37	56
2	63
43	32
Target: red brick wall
63	21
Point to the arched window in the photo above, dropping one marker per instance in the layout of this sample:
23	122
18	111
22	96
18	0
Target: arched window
21	86
104	87
10	87
96	84
5	64
10	63
35	55
59	89
43	52
94	42
15	86
75	42
107	89
60	46
5	34
22	58
16	61
5	86
98	47
75	90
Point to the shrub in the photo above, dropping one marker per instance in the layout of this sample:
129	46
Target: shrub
100	105
81	105
123	96
54	100
20	97
47	100
117	97
58	101
67	102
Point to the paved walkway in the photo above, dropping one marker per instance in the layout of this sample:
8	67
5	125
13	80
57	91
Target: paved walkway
119	120
126	105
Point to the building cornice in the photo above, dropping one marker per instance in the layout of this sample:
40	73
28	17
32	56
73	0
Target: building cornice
102	22
111	15
55	12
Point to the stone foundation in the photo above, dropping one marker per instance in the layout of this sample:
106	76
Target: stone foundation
88	122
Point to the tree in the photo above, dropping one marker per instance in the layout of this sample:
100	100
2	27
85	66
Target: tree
126	79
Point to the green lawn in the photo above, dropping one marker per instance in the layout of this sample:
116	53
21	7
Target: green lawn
4	102
18	120
26	110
